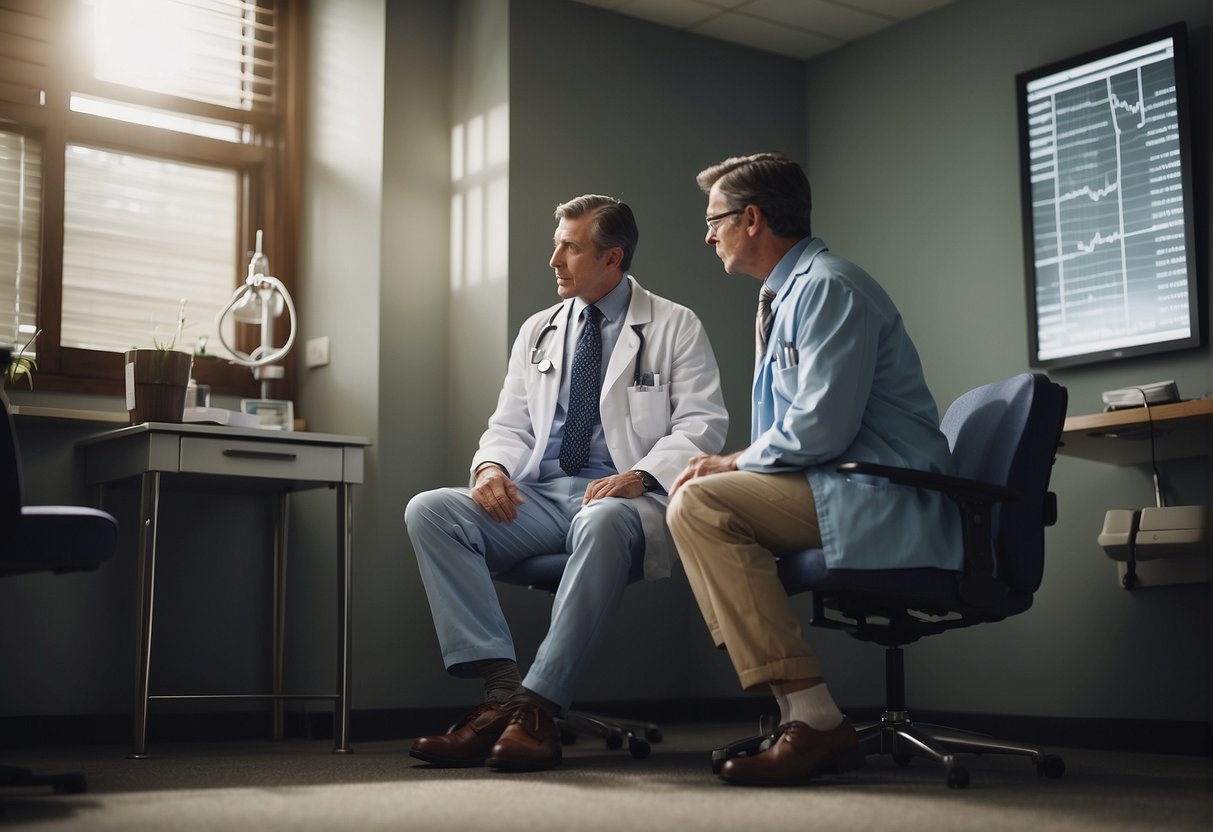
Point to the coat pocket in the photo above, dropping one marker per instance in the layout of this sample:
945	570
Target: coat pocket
650	411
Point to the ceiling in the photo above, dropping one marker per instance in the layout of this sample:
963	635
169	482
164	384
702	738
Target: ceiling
797	28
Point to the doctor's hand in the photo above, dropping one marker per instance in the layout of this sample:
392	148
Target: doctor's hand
704	464
626	484
496	493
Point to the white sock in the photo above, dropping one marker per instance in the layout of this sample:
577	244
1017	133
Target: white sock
814	707
781	699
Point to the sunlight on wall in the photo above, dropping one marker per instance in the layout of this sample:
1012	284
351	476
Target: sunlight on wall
480	185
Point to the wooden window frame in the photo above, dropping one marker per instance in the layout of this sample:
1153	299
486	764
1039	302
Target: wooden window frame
269	167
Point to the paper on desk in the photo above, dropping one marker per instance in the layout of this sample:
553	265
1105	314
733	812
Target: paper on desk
221	416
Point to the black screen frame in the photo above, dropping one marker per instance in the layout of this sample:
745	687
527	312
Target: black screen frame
1177	32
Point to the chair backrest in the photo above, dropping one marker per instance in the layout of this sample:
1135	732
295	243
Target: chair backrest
1007	433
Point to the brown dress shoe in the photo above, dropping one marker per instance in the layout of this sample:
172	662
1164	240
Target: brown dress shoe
531	742
468	743
797	756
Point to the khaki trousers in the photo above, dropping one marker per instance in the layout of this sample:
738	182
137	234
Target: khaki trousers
727	527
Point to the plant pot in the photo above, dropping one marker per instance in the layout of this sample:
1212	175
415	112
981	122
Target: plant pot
155	384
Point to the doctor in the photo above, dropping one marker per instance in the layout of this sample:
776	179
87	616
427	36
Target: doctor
837	378
607	396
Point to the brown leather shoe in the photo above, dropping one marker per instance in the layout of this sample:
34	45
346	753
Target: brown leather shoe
531	742
468	743
799	755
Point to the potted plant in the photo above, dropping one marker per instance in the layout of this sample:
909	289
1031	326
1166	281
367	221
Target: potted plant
22	365
156	379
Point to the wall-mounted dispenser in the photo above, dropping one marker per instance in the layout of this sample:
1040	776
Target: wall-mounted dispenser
1159	545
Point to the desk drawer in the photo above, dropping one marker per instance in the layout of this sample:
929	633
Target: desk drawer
275	460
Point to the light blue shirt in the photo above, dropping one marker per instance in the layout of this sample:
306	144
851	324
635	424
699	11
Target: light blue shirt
614	308
841	381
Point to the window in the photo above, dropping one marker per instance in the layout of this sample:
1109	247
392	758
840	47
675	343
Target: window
135	174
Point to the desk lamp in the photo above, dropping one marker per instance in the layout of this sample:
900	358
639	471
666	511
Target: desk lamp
260	300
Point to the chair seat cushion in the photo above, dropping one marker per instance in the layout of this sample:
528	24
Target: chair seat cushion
545	571
539	571
924	588
61	539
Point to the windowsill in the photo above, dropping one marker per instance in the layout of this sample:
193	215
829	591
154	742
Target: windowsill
71	414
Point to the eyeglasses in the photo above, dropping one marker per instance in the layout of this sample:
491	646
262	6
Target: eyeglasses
714	222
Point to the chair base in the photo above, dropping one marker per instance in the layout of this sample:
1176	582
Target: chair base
65	783
612	730
902	739
899	737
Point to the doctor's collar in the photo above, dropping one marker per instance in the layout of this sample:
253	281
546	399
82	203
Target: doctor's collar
612	305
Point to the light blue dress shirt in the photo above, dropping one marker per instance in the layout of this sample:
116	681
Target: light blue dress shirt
842	381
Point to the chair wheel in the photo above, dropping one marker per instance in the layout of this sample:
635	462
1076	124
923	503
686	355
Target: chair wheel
1051	766
614	739
653	734
639	749
903	760
958	778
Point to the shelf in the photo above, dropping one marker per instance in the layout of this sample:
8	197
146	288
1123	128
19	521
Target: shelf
1182	430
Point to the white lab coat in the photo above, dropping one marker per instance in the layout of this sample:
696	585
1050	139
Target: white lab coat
655	430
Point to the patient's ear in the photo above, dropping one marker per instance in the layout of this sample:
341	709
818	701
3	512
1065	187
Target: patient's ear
753	219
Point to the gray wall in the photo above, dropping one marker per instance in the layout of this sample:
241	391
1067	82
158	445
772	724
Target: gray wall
914	160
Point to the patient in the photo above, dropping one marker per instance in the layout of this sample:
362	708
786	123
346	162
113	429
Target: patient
836	377
608	394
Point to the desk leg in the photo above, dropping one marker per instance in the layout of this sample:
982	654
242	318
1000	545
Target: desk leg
149	507
279	624
345	532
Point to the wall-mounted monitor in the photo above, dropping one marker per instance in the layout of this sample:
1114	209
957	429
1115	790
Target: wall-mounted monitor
1109	231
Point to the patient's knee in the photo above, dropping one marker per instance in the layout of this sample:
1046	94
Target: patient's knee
684	503
426	506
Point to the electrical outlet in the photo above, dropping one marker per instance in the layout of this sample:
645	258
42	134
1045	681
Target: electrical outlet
317	351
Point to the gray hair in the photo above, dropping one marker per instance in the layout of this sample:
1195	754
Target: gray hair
613	223
771	181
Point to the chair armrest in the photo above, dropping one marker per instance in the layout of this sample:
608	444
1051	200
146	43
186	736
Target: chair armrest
952	486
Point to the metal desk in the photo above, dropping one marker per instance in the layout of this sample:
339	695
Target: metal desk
185	456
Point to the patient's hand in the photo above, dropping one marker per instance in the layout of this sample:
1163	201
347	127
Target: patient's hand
705	464
497	494
626	484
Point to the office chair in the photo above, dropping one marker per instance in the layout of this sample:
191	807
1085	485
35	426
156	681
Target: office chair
1004	438
44	538
544	572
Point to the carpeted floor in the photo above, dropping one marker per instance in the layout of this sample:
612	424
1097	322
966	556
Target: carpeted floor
301	785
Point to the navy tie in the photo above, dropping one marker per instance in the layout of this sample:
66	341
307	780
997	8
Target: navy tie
584	388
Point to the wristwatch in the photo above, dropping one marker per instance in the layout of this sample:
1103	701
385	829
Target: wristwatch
647	480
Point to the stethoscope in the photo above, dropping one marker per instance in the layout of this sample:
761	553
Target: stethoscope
544	364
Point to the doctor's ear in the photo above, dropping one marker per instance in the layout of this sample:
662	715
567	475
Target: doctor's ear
612	257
